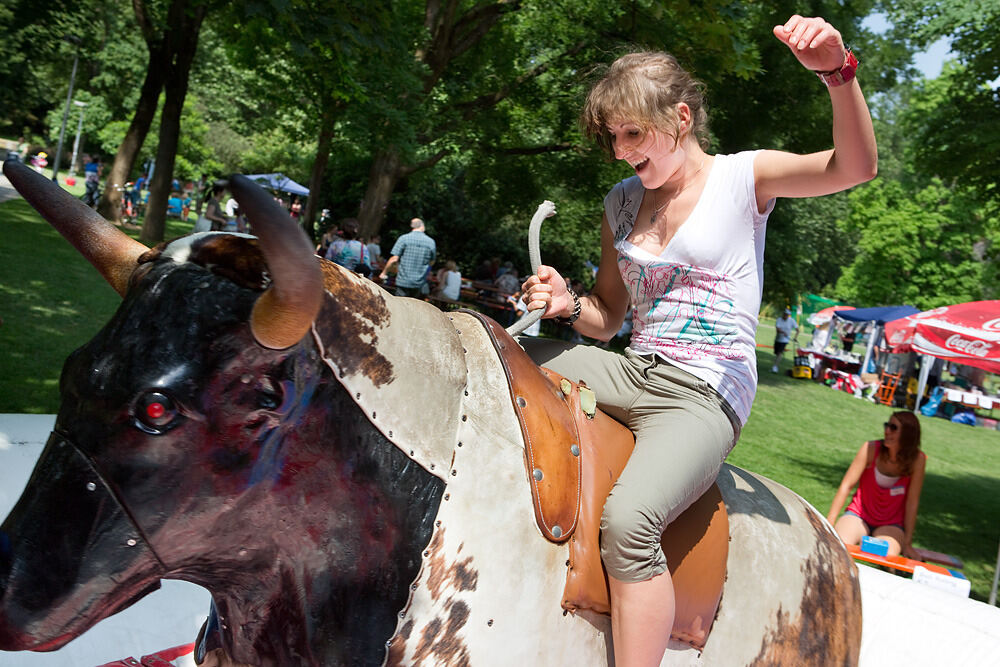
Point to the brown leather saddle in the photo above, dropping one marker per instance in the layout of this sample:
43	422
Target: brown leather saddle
574	453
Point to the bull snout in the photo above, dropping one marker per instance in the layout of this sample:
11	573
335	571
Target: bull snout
69	554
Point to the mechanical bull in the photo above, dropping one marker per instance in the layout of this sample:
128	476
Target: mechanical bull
345	472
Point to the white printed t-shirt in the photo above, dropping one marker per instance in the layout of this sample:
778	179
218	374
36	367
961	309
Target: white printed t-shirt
696	304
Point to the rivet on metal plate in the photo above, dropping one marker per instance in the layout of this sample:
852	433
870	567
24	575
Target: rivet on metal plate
537	474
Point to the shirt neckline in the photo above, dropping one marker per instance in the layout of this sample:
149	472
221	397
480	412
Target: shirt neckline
680	228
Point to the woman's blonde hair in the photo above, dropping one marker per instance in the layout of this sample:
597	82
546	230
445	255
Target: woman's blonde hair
644	88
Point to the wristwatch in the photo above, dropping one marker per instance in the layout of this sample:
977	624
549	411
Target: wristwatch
838	77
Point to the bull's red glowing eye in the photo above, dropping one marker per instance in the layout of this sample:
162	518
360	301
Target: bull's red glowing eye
155	412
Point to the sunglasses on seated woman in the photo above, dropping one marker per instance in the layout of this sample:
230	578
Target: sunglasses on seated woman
892	426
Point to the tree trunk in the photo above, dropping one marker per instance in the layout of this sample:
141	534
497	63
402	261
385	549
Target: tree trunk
382	179
184	24
318	171
110	203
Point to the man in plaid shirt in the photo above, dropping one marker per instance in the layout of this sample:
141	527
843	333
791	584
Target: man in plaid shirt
415	253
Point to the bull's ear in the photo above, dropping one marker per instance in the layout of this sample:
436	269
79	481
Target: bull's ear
284	313
111	251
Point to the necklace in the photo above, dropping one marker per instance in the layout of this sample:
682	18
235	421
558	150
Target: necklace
657	209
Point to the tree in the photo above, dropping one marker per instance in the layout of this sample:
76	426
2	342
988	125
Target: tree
184	19
153	34
959	140
919	248
505	77
321	47
41	40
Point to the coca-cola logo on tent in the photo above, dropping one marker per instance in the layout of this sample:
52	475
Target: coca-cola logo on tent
992	325
977	348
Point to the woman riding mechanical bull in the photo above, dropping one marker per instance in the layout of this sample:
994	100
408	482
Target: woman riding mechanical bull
682	245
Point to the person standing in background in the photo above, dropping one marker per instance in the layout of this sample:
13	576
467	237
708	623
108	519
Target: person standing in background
415	252
783	326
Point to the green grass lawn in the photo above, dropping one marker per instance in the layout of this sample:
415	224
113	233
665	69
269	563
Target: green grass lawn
800	433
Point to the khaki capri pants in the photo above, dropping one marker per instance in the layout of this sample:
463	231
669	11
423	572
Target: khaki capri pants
684	430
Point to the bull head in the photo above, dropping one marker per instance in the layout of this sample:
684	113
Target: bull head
203	436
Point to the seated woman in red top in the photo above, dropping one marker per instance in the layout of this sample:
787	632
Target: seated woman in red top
888	475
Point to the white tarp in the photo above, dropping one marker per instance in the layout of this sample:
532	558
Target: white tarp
910	624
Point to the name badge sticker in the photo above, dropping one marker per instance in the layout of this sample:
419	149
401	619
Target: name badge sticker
897	490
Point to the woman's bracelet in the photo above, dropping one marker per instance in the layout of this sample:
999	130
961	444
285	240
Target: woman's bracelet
576	308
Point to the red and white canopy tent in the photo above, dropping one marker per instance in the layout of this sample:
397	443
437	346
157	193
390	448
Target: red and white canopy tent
966	333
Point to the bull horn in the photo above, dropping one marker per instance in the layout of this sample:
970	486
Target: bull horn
284	313
111	251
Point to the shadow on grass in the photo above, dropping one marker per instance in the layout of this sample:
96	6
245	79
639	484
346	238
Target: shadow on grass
51	302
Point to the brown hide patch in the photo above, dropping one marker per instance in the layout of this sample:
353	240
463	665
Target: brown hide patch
442	641
397	647
459	576
828	630
348	326
237	258
440	638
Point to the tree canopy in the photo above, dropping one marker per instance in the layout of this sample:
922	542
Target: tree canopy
464	112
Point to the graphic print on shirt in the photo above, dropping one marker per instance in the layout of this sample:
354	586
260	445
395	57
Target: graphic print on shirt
625	218
694	315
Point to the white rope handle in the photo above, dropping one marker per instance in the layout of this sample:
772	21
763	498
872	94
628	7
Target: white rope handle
545	210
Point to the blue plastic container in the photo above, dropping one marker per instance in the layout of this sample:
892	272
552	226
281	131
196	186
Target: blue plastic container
875	546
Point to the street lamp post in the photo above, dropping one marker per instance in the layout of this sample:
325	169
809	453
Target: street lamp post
69	97
76	142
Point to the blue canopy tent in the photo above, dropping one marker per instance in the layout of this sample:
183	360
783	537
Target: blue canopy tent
278	181
877	317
